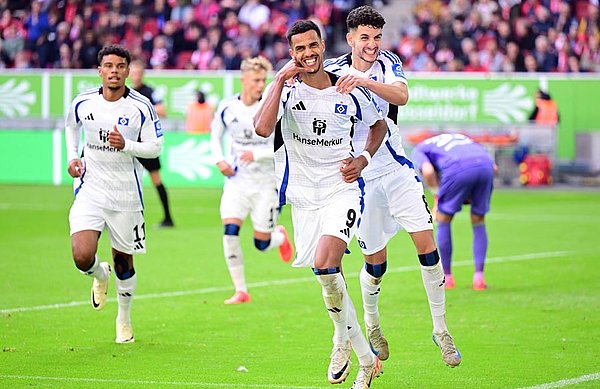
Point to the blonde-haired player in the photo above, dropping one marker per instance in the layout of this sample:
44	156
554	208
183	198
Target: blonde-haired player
249	172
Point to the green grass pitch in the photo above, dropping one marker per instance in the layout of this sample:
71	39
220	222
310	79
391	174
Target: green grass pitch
537	324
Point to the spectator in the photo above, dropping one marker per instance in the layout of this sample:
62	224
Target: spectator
231	58
36	24
203	54
254	14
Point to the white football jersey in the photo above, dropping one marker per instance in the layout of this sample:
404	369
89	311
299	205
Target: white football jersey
112	178
388	70
313	136
235	119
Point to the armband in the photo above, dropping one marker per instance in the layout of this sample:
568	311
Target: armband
367	156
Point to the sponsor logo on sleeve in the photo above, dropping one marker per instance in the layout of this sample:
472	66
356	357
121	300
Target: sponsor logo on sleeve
397	69
158	129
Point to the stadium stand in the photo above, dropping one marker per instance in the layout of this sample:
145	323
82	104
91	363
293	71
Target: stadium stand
429	35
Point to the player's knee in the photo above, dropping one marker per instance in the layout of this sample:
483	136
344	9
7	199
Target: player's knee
123	270
376	271
83	259
231	229
262	245
429	259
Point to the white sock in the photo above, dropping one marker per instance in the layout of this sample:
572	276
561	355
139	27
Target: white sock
277	239
369	287
433	280
335	296
125	292
235	261
96	270
359	342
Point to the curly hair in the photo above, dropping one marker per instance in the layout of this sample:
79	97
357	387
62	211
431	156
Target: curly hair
117	50
364	16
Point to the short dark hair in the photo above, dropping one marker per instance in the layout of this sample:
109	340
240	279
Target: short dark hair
302	26
117	50
364	16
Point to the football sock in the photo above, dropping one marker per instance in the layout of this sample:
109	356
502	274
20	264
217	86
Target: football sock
480	243
277	239
444	241
335	296
369	286
164	199
433	280
235	261
360	344
96	270
125	292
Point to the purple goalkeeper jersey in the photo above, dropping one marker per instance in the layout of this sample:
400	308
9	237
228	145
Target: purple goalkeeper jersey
465	168
450	153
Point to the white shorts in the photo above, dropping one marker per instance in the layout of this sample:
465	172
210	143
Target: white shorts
393	202
127	230
261	203
339	218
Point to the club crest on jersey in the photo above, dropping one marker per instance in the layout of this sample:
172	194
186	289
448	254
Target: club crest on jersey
319	126
397	69
123	121
341	109
158	129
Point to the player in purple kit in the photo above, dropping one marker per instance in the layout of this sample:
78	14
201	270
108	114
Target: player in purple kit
458	171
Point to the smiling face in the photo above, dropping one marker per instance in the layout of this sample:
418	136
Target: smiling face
307	50
366	43
114	71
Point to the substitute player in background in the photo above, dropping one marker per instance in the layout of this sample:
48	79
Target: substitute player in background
136	75
394	194
250	180
459	171
318	175
118	125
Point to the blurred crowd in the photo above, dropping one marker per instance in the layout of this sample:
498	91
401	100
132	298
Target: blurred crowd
503	36
447	35
165	34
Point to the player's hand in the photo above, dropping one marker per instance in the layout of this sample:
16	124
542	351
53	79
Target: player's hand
352	167
290	70
246	157
75	168
347	83
225	169
115	139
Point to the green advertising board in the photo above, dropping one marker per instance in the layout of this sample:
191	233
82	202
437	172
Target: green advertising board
434	98
185	159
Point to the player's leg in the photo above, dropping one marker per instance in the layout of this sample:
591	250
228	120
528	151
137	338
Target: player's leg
370	364
234	259
235	206
267	235
86	222
480	244
432	274
409	206
128	237
126	283
339	222
480	205
153	167
164	197
444	241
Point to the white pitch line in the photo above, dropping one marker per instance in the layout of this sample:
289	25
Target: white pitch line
287	281
149	382
567	382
